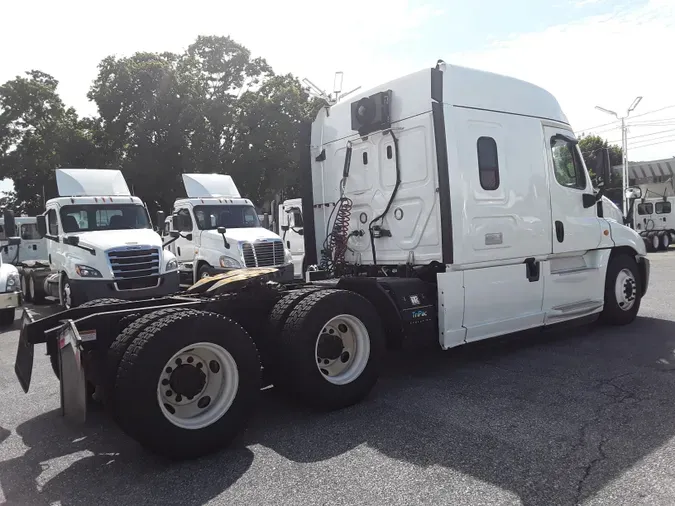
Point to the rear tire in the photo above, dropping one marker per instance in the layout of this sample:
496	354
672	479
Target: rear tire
119	347
324	372
36	288
151	365
25	292
623	291
665	241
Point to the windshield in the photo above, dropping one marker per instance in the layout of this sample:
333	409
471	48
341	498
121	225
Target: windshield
229	216
87	218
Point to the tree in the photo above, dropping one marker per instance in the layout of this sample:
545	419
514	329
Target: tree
590	146
37	135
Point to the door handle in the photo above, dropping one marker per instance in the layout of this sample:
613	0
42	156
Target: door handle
178	249
532	269
559	231
288	244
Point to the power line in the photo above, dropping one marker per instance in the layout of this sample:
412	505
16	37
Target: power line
636	116
643	135
655	144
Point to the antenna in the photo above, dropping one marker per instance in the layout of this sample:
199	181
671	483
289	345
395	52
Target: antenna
316	89
337	82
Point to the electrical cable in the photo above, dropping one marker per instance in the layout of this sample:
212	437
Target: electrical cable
391	199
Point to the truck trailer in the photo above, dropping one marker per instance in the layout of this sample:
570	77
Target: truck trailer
447	206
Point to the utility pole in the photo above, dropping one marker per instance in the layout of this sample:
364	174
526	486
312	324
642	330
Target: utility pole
624	145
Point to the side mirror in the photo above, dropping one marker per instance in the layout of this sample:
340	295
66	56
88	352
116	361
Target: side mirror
175	234
589	200
221	230
72	240
189	237
42	225
634	193
14	241
10	224
161	216
300	231
284	227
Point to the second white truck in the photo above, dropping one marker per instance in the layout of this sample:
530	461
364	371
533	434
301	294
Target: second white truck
100	243
221	231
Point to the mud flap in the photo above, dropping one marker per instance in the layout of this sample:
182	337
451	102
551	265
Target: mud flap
23	366
73	384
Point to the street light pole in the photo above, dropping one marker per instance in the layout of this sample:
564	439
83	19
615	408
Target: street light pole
624	146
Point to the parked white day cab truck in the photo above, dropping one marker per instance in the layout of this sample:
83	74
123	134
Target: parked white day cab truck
448	206
32	246
10	287
220	231
287	222
653	219
100	243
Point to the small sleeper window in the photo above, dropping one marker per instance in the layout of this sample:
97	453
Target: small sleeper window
662	207
488	163
645	208
389	152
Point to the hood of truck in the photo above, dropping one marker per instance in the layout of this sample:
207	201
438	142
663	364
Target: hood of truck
242	234
108	239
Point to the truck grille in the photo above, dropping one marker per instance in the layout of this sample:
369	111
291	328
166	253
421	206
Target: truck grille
263	253
134	263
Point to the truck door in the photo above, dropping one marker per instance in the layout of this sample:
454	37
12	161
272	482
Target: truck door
576	227
185	251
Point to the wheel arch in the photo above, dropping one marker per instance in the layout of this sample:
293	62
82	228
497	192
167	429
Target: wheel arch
388	313
642	266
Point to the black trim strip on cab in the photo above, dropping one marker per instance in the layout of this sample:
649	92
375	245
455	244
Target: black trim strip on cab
307	192
442	164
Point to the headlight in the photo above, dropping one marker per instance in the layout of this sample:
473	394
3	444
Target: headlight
229	262
288	257
12	282
172	265
84	271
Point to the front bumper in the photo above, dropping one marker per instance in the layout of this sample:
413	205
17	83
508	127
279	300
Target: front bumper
643	265
91	289
10	300
285	272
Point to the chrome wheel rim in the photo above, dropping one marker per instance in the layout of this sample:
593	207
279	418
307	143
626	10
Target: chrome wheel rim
625	289
342	349
198	385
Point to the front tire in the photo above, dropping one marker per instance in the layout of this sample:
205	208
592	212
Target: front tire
203	272
170	404
665	241
331	349
623	291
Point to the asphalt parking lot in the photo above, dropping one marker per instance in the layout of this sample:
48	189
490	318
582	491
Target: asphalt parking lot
574	417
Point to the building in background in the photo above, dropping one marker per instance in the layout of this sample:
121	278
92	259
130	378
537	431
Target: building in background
656	176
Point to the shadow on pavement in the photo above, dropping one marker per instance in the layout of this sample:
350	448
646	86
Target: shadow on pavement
553	418
98	465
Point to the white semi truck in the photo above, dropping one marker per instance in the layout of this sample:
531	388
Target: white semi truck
653	219
287	222
220	231
100	243
10	288
448	206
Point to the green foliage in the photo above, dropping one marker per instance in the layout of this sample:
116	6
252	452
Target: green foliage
213	108
590	146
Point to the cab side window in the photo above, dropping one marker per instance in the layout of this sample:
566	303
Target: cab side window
567	166
488	163
645	208
52	222
662	207
184	220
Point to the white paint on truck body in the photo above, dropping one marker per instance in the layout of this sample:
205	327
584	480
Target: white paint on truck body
516	190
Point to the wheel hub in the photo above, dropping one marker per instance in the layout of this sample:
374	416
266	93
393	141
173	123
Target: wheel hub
629	289
187	380
330	346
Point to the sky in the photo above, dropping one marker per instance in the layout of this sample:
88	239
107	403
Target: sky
585	52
